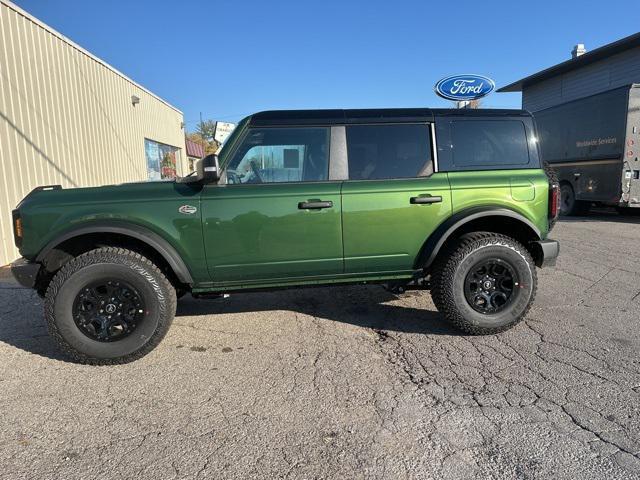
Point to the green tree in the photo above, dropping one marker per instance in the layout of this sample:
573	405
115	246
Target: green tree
204	135
206	128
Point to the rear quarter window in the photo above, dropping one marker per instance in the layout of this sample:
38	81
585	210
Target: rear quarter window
389	151
489	144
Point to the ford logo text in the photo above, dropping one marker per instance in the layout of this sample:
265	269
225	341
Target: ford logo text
464	87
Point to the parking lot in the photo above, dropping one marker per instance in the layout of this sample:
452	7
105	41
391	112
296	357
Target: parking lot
348	382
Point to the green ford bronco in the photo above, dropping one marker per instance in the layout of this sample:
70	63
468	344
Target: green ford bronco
455	201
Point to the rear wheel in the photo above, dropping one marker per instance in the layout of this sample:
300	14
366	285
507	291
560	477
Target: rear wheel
485	284
109	306
568	203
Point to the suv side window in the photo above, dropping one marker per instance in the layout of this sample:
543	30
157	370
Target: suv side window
274	155
389	151
488	143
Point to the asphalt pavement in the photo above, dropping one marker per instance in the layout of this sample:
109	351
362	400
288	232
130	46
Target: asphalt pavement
349	382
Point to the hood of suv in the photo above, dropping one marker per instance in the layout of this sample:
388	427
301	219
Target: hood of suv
125	192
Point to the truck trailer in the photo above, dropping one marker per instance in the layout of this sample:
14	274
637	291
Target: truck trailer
593	144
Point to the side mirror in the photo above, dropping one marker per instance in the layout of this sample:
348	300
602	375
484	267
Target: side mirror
208	169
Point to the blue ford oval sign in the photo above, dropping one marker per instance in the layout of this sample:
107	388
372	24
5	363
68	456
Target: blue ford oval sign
464	87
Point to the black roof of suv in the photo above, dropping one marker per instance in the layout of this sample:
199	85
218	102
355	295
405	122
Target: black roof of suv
373	115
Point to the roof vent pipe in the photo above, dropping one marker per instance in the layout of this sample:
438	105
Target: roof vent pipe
578	50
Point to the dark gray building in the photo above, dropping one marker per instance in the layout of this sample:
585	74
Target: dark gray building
587	111
586	73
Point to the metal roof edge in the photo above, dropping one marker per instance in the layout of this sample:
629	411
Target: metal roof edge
618	46
71	43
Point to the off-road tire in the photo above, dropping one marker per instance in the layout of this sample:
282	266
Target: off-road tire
109	262
452	267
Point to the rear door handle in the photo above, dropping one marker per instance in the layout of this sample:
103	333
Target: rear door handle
425	200
314	205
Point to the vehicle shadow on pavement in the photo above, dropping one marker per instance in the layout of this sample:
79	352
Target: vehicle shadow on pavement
363	306
22	324
604	215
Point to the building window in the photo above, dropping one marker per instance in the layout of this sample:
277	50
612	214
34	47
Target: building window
162	160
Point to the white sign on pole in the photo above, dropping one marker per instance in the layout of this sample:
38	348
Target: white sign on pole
223	130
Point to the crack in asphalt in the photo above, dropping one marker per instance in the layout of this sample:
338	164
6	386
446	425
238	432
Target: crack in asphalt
398	351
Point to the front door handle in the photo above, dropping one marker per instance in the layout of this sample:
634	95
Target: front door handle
314	205
425	200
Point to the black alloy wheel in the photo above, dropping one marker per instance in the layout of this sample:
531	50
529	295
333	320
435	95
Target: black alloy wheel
108	310
489	285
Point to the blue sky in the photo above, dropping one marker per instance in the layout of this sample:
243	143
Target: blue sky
227	59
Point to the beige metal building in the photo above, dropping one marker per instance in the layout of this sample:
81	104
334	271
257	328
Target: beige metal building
68	118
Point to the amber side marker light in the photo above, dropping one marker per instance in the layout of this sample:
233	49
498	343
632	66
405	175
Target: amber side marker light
17	228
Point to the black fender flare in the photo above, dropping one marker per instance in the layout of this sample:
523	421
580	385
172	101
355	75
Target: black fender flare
436	240
152	239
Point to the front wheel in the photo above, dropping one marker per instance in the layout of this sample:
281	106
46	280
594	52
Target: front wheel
485	284
109	306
